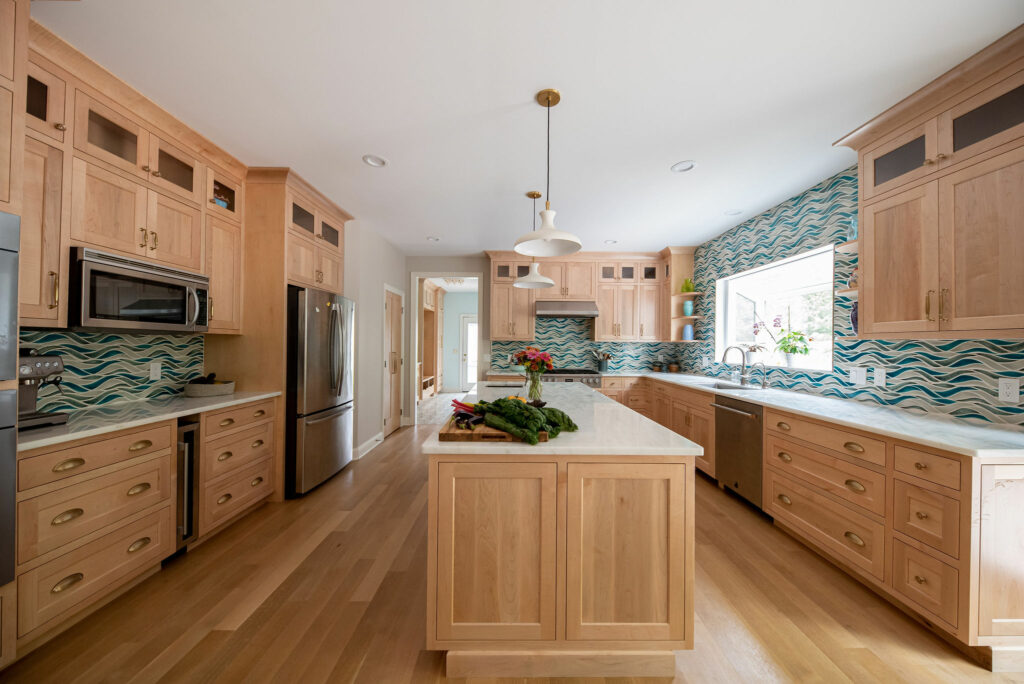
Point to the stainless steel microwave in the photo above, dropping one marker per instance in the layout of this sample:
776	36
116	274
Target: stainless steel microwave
113	292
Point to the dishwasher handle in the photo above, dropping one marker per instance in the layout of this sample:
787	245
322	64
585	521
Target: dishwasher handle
746	414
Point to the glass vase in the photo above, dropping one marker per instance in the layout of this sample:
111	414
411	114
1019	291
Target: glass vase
533	385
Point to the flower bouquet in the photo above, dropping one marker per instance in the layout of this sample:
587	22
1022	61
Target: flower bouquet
535	362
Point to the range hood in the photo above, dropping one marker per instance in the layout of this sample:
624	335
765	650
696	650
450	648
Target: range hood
566	309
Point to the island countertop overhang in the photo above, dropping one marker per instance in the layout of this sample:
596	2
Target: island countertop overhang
606	429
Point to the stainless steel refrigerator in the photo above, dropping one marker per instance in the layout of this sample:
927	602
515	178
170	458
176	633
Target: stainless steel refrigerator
321	351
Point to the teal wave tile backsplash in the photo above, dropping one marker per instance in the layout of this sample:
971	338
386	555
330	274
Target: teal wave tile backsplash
105	368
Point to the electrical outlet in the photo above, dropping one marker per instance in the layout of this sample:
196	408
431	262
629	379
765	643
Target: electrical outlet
155	370
859	376
879	377
661	358
1009	390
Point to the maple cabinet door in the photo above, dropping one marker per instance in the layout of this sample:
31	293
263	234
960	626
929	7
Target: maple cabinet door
648	302
625	551
501	315
301	261
556	272
900	289
627	318
108	210
580	280
605	324
496	536
329	269
43	266
224	266
175	232
521	312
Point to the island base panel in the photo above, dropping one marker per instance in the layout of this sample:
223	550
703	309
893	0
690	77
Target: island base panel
465	664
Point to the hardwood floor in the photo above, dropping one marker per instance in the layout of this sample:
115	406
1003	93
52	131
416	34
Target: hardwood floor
330	588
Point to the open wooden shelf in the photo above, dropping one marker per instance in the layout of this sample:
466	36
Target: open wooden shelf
850	247
684	318
686	294
848	292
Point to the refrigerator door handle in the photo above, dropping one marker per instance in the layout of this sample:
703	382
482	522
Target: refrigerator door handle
328	415
333	344
341	353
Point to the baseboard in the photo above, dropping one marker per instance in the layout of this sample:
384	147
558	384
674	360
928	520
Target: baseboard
368	446
408	420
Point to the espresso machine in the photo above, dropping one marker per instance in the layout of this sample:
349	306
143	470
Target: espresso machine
36	371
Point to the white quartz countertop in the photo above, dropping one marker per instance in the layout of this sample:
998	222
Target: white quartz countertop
606	428
941	432
102	419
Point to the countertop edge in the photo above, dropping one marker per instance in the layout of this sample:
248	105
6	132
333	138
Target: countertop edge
26	442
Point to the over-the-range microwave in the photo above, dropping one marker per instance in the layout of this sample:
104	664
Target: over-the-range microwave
117	293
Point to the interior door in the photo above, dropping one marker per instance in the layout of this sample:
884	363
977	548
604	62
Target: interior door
900	262
982	245
468	352
42	253
392	362
107	210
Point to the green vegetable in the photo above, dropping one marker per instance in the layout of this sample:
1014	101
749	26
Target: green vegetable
559	420
499	423
516	412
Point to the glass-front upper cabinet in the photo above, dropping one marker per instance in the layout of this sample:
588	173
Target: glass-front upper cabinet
648	273
987	120
622	272
174	169
44	102
225	195
303	220
107	135
901	160
506	272
330	235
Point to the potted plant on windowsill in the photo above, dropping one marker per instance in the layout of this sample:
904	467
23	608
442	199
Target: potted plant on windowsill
791	343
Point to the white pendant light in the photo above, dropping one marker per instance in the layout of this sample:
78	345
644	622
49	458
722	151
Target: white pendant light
534	280
548	241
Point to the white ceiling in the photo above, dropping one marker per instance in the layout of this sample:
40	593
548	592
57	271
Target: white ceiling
465	284
754	91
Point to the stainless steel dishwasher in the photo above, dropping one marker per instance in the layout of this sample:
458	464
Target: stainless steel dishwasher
738	447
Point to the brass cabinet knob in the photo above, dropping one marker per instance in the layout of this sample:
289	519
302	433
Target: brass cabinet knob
140	445
856	540
224	499
225	456
928	162
784	457
213	201
156	174
257	444
146	168
855	486
60	127
67	516
854	447
921	515
921	466
785	499
920	580
69	464
783	426
940	156
139	544
67	583
139	488
227	421
256	482
259	413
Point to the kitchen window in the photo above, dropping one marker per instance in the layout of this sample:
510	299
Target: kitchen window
757	309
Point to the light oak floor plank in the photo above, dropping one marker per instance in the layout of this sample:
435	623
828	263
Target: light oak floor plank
332	587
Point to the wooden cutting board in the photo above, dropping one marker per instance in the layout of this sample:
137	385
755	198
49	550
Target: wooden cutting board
482	433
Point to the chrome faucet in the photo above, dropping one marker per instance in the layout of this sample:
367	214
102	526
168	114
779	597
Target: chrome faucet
743	358
764	372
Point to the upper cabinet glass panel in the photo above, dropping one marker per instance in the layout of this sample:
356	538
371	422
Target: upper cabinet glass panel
993	117
303	219
223	195
900	161
330	234
174	170
37	95
649	273
108	136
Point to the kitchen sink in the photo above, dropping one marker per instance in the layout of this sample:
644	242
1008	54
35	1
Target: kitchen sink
736	386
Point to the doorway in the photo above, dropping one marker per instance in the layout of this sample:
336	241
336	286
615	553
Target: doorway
468	351
393	310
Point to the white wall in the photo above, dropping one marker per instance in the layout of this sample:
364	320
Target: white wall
371	262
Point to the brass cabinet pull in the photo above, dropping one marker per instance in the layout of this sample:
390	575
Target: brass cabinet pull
786	458
225	456
940	156
256	482
146	168
857	541
854	447
209	307
921	466
641	330
928	162
920	580
943	314
67	516
139	544
69	464
156	240
145	237
67	583
783	426
227	421
259	413
213	201
855	486
140	445
60	127
257	444
139	488
55	279
785	499
921	515
157	174
224	499
928	305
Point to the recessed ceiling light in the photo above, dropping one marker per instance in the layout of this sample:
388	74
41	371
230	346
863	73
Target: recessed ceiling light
683	166
734	212
611	242
433	238
374	161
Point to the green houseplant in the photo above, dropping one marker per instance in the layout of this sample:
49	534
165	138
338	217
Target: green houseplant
793	342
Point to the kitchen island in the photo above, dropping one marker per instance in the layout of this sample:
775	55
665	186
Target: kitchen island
573	557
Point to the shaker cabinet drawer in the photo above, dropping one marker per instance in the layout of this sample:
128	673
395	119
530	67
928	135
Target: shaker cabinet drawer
227	498
54	590
58	465
849	536
932	467
227	454
927	517
859	486
49	521
839	440
927	581
219	422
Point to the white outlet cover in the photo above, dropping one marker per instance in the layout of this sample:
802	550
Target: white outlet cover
155	370
859	376
1009	390
879	377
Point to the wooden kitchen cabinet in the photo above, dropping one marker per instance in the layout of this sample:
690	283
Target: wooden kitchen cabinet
174	170
904	159
649	312
224	266
329	269
44	240
175	232
999	525
8	157
225	195
109	136
302	268
574	280
511	313
108	210
617	319
508	271
46	94
14	22
479	503
616	272
624	520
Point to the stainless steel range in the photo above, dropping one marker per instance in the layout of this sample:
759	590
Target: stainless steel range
584	375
